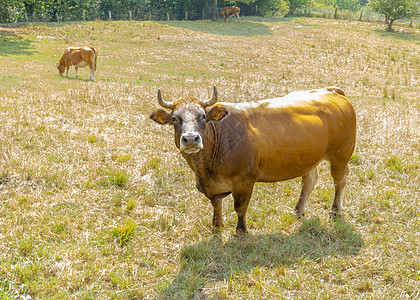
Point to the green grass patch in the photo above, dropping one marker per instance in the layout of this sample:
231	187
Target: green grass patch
124	233
114	177
233	28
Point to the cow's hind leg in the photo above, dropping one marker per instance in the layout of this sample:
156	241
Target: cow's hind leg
339	172
76	69
91	77
241	200
308	184
92	70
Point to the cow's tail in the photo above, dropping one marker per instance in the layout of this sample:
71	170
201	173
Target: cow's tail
336	90
94	60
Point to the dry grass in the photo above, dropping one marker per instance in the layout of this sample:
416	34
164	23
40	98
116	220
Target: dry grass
97	203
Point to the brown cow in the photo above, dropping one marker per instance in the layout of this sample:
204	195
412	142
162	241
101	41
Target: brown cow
231	146
230	11
78	57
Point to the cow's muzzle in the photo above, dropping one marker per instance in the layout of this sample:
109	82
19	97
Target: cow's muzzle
191	142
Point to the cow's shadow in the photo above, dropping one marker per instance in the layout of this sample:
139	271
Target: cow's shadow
215	261
75	78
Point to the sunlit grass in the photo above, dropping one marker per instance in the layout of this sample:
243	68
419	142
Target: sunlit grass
97	202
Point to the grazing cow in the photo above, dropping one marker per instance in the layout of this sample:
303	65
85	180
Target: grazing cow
230	11
231	146
78	57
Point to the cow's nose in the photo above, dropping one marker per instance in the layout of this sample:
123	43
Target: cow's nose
190	143
190	139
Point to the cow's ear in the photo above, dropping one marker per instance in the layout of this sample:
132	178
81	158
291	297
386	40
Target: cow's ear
160	116
217	113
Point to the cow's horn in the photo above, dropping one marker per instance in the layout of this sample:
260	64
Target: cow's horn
213	99
162	102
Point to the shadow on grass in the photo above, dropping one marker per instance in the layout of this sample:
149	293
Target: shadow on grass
410	36
214	260
74	78
230	28
12	44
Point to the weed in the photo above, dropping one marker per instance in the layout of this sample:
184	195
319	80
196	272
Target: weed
92	139
154	163
117	199
395	164
124	233
355	160
115	178
131	205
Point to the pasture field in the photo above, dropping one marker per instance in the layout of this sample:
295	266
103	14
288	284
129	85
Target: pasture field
97	203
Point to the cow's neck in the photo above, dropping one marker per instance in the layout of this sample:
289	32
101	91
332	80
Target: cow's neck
203	162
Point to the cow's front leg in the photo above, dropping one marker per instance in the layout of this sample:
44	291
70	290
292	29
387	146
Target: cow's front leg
241	201
217	223
77	69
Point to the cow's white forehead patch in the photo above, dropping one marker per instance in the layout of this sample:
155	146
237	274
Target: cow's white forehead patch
189	111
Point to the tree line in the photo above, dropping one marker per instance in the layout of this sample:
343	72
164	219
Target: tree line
75	10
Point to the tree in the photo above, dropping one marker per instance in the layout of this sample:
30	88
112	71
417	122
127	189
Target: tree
295	5
395	9
214	10
10	10
352	5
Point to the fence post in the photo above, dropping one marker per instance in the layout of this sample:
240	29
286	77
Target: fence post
150	16
335	13
167	16
131	15
109	16
26	16
84	15
58	18
361	15
186	15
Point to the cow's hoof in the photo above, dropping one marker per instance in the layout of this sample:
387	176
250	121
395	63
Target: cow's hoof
299	215
240	234
216	230
335	216
216	237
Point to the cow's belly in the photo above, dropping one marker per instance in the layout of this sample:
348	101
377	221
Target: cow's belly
290	159
81	64
287	165
289	146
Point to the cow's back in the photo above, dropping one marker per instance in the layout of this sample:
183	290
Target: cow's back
290	135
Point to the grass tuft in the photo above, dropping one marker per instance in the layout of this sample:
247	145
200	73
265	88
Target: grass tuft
115	178
124	233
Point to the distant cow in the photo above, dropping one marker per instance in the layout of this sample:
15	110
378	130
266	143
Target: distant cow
78	57
230	11
231	146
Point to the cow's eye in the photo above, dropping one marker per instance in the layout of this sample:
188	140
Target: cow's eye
202	117
175	119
